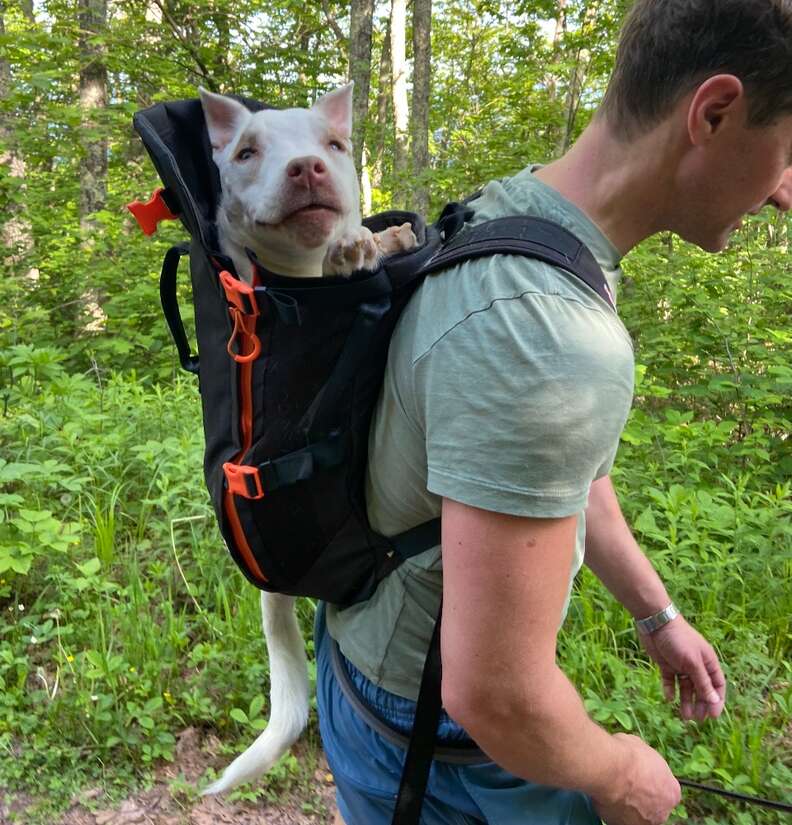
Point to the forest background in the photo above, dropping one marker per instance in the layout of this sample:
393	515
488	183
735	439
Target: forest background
123	622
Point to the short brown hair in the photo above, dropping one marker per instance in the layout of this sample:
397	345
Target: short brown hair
668	47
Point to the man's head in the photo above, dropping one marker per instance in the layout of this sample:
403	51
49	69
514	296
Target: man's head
669	47
710	81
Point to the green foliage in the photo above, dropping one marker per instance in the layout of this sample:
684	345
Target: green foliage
120	609
118	602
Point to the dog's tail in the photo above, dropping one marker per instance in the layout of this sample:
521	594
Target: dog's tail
288	695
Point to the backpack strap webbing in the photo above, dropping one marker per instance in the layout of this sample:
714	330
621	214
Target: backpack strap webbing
417	540
415	773
528	236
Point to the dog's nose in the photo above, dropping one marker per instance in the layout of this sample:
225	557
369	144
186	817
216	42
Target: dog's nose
309	170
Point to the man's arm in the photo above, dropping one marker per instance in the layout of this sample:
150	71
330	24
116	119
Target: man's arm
615	558
683	655
505	579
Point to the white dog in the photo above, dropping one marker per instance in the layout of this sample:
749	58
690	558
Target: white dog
290	195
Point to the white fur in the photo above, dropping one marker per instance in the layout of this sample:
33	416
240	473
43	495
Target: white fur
288	695
259	196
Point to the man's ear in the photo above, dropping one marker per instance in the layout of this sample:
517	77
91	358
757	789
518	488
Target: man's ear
336	106
717	100
224	116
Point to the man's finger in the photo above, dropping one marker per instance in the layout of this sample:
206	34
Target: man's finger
716	674
685	696
704	682
718	682
669	684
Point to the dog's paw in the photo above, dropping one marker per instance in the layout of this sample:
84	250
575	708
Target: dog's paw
396	239
357	249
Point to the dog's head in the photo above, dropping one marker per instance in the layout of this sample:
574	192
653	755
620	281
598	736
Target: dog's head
287	175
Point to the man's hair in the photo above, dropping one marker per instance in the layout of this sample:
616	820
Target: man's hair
668	47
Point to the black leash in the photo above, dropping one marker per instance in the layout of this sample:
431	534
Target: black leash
750	800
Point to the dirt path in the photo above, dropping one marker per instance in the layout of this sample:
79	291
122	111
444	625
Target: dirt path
166	803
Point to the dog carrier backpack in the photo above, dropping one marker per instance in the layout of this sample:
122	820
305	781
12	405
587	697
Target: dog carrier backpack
289	371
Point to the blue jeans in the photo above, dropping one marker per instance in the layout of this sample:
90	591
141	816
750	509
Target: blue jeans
367	767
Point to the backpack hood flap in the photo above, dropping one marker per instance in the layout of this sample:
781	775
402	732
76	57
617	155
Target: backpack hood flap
174	134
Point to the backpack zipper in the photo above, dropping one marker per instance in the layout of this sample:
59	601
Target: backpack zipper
245	314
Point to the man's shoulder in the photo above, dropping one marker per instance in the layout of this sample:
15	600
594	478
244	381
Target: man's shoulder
500	289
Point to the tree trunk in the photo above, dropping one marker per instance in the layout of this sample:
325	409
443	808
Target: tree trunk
573	100
577	81
16	233
361	15
383	98
93	100
422	55
560	27
305	81
365	184
92	17
400	105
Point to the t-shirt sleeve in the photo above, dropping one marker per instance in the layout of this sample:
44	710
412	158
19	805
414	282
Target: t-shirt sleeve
522	404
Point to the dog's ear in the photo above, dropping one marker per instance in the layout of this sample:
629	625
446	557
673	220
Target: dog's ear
224	116
337	108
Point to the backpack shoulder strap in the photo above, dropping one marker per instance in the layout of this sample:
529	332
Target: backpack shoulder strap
529	236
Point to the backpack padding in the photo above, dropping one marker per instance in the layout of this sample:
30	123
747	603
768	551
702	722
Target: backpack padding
531	237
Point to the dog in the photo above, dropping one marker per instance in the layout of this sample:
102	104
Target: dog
290	191
290	195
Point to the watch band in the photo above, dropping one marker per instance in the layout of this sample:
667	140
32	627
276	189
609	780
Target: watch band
657	620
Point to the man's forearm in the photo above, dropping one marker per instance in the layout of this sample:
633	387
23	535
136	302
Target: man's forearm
615	558
545	735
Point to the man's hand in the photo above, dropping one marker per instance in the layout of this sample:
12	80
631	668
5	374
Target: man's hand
687	659
647	791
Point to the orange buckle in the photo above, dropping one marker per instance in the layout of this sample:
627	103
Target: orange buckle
239	294
243	481
245	331
149	214
244	310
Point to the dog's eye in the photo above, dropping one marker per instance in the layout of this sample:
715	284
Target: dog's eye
337	145
245	153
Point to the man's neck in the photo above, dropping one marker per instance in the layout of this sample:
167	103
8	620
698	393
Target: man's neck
617	184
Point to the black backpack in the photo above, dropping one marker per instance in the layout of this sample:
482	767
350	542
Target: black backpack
289	371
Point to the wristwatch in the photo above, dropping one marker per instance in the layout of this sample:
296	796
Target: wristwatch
657	620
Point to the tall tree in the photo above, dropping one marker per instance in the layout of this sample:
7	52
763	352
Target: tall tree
17	233
360	26
92	19
422	55
581	64
93	101
401	115
384	98
558	32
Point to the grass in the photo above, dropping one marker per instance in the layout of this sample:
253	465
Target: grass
123	619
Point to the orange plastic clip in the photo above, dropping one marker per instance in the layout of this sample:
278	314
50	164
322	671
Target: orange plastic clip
149	214
240	478
244	310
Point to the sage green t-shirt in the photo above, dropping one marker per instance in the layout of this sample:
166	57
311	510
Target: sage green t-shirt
507	387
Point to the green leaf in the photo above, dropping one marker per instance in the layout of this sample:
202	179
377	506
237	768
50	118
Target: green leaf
645	523
256	704
153	704
239	715
624	719
20	565
90	567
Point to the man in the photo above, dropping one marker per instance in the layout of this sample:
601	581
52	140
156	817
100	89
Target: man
507	387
